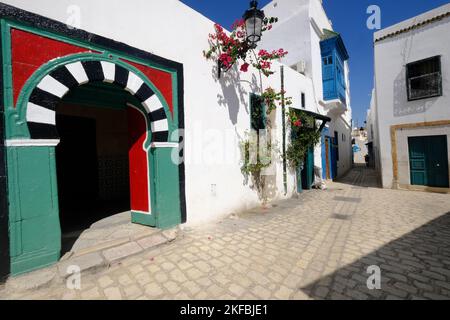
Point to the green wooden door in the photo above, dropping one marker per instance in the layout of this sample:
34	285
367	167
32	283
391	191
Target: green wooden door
428	157
307	175
438	162
417	161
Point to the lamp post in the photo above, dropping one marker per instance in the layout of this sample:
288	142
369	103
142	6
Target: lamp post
253	24
254	19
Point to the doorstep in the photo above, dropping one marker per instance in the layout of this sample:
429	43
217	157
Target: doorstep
93	259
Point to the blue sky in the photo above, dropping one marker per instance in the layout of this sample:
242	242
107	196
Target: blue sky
349	18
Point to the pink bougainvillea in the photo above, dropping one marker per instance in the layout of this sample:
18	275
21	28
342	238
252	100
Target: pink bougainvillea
226	60
297	123
244	67
231	48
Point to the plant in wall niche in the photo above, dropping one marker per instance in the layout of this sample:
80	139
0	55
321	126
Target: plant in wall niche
256	154
304	135
255	159
272	99
229	49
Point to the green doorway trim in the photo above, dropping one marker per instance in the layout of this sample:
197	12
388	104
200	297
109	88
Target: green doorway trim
20	130
34	224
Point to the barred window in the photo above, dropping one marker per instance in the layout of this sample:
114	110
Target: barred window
424	79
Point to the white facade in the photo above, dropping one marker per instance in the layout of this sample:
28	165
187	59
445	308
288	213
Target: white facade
216	111
299	31
373	133
394	118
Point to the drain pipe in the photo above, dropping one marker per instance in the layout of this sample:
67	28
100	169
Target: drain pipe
283	111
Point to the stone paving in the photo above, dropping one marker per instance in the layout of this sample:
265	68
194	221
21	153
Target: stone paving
110	229
318	246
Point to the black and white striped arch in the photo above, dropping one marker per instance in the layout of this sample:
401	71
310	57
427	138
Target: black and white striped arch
45	97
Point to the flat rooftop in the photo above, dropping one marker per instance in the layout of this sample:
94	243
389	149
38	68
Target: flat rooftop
414	23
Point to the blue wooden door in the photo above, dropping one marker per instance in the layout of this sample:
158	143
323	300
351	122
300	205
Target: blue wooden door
329	84
428	158
327	159
326	155
334	158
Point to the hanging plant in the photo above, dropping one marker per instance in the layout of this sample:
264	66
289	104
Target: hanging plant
272	99
304	135
234	48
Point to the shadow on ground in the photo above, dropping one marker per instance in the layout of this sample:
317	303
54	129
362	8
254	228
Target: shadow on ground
415	266
76	219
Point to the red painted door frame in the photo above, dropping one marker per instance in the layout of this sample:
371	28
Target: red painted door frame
139	161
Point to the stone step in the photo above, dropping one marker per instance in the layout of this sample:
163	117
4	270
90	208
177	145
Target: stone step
111	243
92	260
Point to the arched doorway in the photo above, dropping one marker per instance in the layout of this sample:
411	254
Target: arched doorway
154	177
96	144
99	156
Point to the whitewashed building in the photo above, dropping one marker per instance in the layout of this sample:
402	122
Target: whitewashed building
319	53
373	145
173	104
410	113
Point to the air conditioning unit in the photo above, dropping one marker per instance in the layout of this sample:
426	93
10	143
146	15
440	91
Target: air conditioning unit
301	67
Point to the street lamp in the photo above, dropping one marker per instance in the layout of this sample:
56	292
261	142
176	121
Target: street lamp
254	19
253	24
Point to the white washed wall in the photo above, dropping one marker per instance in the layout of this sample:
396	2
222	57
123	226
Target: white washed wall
372	127
299	32
172	30
391	57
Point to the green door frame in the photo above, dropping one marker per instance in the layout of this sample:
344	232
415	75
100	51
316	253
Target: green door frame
34	218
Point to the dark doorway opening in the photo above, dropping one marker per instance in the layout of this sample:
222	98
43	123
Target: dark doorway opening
77	167
92	165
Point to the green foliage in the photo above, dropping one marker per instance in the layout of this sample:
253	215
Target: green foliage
256	157
255	160
272	99
304	135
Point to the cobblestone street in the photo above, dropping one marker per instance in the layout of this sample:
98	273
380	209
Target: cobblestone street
316	247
